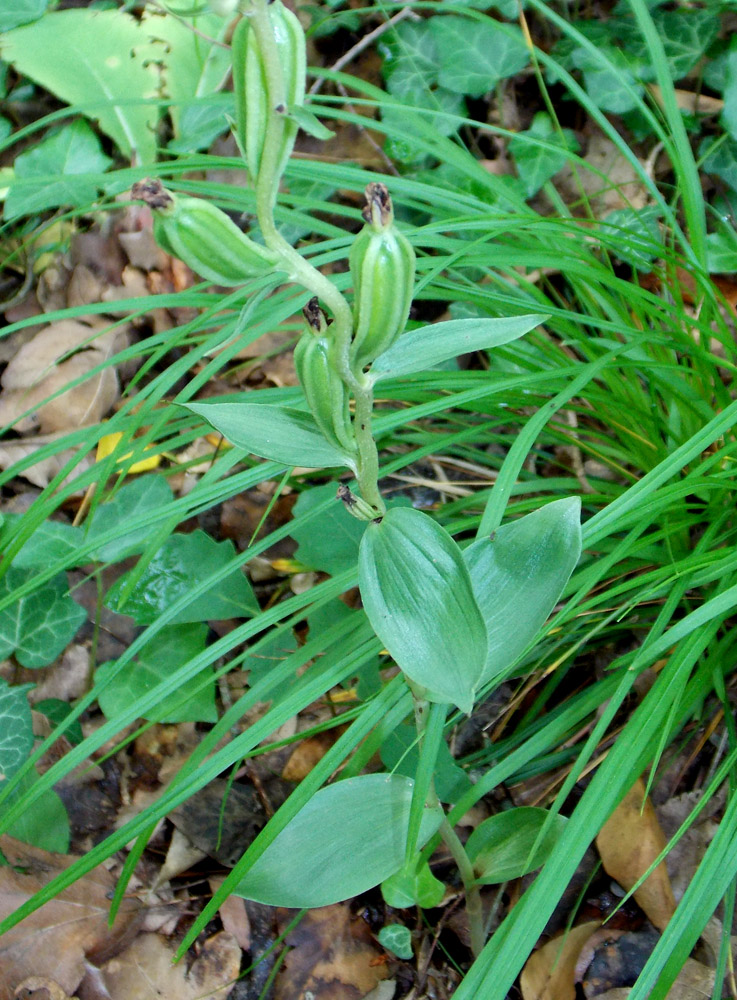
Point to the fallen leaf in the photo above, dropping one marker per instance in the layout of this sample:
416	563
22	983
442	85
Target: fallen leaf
628	843
550	972
145	970
306	754
694	982
332	956
55	939
40	988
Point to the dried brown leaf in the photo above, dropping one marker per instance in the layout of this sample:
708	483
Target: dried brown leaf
628	843
550	972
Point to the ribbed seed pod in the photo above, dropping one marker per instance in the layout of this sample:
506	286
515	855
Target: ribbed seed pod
326	394
251	89
205	238
382	264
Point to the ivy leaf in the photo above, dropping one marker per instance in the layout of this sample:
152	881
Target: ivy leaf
136	498
181	560
169	649
348	838
201	122
475	55
87	56
721	251
38	627
409	58
418	597
722	162
637	235
61	170
16	728
280	433
686	35
45	824
50	542
501	848
537	164
330	541
397	939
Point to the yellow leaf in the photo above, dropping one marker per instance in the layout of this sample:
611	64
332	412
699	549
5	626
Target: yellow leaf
107	445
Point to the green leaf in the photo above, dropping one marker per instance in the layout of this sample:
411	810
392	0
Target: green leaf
21	12
56	711
537	164
614	89
722	161
309	122
397	939
37	627
45	823
519	574
328	542
400	755
473	55
58	171
729	114
417	594
201	123
419	349
158	659
141	495
87	57
409	58
409	887
182	560
501	848
348	838
50	542
638	240
277	432
721	251
16	728
686	35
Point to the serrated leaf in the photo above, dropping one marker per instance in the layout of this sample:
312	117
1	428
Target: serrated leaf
474	55
138	497
419	349
50	542
348	838
519	574
158	659
37	627
280	433
417	594
182	560
85	57
58	171
501	848
16	728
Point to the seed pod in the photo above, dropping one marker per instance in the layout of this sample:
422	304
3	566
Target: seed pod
253	101
382	264
205	238
326	394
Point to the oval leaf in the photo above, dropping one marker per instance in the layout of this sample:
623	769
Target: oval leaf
501	847
276	432
420	349
518	575
348	838
417	594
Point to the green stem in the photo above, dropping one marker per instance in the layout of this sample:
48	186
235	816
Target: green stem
302	272
473	894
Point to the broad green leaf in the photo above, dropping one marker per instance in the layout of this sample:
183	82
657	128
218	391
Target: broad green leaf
501	848
45	823
419	349
158	659
638	239
519	574
96	59
201	123
141	495
537	164
182	560
409	887
56	711
329	541
686	35
38	626
417	593
50	542
16	728
348	838
729	115
409	58
722	162
18	12
614	89
474	55
721	250
59	171
397	939
276	432
400	755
